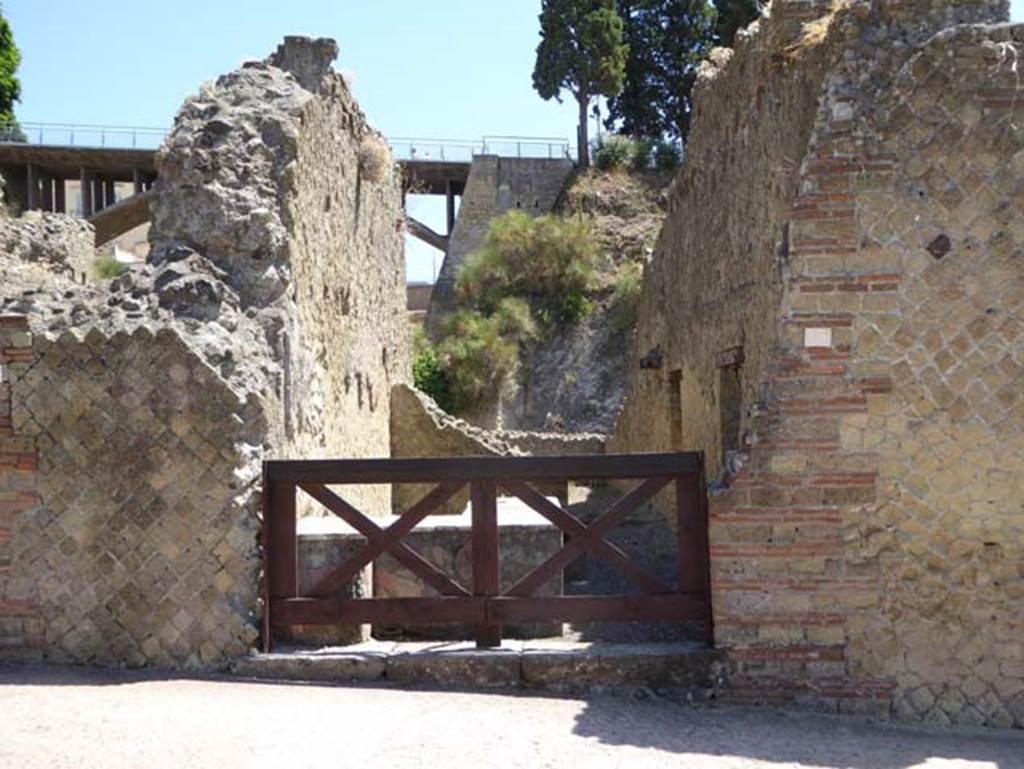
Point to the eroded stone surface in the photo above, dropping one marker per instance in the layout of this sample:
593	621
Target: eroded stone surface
867	535
269	321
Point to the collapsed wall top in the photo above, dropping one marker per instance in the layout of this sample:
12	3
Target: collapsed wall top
226	170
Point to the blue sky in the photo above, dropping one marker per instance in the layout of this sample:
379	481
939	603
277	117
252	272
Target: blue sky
422	68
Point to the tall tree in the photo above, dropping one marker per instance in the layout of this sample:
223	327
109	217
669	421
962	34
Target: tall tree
734	15
10	86
581	51
667	40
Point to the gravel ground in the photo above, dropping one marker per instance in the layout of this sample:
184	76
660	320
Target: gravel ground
54	717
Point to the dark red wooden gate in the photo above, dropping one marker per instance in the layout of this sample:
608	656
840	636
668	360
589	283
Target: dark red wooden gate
483	603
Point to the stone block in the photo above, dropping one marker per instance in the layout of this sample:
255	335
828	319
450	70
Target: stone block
567	666
363	662
458	663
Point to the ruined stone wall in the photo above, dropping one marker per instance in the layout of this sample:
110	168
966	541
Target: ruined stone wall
63	244
134	541
866	544
945	529
421	428
315	249
140	409
715	281
21	628
348	266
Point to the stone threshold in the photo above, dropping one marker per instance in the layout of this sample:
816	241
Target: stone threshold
549	664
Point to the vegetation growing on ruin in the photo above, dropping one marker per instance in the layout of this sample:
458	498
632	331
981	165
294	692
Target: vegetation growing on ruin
374	159
547	261
477	354
108	268
626	295
619	152
428	373
529	276
535	279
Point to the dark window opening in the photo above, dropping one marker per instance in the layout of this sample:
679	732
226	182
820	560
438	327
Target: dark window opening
675	406
730	407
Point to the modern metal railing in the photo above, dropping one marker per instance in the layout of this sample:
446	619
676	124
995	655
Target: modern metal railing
83	135
409	149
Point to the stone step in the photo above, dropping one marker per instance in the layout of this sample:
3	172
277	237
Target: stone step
554	665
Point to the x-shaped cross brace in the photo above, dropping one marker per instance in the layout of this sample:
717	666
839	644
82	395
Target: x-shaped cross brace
380	541
586	538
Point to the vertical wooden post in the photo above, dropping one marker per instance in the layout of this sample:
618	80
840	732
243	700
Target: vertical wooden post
705	543
693	542
281	548
486	576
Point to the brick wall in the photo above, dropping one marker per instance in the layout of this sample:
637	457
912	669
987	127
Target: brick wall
20	628
866	530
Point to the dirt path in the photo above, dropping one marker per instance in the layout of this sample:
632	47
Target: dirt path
69	718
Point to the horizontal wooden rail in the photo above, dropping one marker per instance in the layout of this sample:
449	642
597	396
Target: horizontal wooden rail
578	467
476	609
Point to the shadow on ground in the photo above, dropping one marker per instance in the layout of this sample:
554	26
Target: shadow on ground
790	738
160	720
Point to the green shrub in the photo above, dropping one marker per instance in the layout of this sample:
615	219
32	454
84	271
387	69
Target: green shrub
529	272
643	150
626	295
480	352
667	156
542	260
575	305
614	152
108	268
428	373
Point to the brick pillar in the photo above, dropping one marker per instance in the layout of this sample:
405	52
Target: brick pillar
20	628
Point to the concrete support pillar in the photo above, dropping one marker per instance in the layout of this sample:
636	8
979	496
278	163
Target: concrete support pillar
98	203
449	196
85	179
47	197
138	181
109	194
60	204
31	188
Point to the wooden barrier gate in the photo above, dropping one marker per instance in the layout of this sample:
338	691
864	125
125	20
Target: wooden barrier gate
484	604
